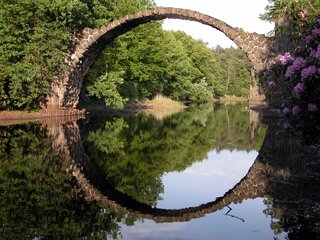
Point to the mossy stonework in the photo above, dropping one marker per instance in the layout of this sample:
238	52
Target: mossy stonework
66	88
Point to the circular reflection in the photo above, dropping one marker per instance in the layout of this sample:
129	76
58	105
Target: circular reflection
187	159
206	180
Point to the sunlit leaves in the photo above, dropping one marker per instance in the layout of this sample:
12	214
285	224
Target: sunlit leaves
106	87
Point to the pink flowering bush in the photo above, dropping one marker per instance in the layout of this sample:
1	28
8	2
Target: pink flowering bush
296	87
294	16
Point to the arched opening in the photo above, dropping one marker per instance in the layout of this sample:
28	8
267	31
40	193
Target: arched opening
65	92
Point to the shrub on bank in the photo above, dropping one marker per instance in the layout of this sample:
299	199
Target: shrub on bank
295	77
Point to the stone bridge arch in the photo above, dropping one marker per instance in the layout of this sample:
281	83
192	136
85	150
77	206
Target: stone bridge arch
67	142
66	88
253	185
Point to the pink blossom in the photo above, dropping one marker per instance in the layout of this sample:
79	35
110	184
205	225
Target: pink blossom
286	110
308	71
318	52
284	59
271	83
299	88
290	71
312	107
288	56
272	63
303	15
295	110
309	38
316	32
297	64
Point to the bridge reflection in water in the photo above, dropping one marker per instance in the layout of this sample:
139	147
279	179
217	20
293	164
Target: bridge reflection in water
285	172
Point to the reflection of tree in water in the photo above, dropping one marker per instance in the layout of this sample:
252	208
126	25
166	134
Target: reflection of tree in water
293	202
293	182
38	198
134	152
299	220
298	217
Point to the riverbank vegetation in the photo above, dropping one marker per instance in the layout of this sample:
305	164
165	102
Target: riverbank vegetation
37	35
163	101
293	76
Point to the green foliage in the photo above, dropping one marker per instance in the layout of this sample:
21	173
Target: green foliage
206	62
134	152
36	35
235	71
106	87
102	12
291	9
38	198
291	16
34	40
172	63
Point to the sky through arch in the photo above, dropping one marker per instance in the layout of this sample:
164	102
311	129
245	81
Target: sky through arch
243	14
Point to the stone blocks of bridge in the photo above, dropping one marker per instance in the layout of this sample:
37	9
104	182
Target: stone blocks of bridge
65	92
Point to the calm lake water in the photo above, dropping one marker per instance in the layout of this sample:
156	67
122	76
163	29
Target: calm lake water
209	172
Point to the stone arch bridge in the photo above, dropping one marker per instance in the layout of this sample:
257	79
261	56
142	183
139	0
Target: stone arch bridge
66	87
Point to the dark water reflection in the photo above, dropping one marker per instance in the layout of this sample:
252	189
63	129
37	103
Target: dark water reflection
180	177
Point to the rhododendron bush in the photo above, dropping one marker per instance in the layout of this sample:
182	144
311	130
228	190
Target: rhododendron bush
295	77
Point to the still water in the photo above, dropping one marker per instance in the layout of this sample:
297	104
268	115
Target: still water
209	172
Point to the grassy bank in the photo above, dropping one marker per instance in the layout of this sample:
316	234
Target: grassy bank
232	98
160	101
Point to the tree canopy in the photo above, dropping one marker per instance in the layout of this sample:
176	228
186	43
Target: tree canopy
37	35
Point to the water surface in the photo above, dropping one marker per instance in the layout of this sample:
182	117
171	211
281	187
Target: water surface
209	172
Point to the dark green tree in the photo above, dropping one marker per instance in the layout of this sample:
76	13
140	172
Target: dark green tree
35	37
